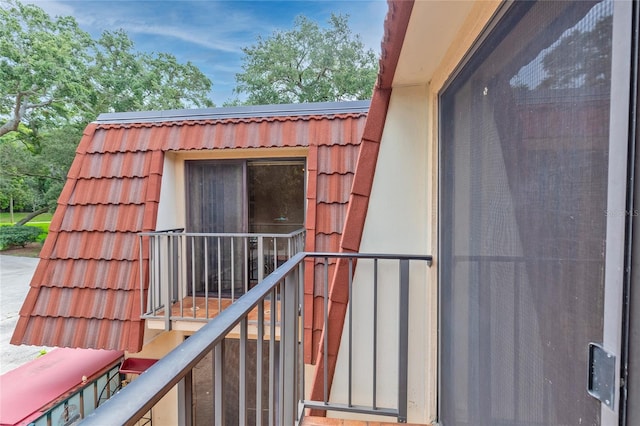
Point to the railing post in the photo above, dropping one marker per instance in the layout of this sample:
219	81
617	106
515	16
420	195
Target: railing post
403	340
300	342
289	340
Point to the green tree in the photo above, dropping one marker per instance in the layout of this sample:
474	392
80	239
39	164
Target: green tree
33	180
52	72
42	65
122	79
308	64
54	79
16	186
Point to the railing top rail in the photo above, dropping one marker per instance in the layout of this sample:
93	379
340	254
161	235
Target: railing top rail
221	234
144	392
171	230
519	259
383	256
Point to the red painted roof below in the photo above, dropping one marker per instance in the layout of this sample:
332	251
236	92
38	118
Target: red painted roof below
33	386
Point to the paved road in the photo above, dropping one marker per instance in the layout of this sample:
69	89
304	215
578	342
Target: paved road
15	275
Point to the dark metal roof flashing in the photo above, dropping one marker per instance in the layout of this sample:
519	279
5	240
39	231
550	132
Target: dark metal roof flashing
281	110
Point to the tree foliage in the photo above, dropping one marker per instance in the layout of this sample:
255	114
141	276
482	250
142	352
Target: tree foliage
308	64
54	79
42	65
125	80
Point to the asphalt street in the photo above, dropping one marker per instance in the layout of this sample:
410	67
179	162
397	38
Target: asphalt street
15	275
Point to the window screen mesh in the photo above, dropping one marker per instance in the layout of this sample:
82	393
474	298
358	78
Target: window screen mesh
525	130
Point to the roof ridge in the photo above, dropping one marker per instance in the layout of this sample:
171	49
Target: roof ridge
252	113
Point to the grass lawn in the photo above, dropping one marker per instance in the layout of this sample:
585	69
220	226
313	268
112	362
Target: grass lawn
5	218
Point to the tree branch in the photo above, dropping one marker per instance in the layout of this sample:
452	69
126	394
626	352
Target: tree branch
20	110
31	215
39	105
33	175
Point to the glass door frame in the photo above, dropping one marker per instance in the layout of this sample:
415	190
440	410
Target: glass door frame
619	185
620	163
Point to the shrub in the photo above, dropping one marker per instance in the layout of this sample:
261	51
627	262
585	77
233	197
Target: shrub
12	236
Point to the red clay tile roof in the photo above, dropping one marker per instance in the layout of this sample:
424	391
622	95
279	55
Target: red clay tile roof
395	28
85	291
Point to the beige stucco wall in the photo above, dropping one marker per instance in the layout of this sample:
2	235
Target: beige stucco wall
397	222
402	215
171	212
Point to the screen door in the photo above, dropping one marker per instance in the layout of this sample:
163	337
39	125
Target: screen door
532	217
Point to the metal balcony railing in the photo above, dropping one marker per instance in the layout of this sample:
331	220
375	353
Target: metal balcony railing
194	276
279	388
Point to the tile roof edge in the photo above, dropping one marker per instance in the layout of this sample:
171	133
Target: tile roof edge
258	112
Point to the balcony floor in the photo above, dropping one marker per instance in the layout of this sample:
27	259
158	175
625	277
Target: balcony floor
184	317
324	421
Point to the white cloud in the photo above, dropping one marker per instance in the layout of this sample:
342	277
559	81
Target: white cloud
53	8
209	41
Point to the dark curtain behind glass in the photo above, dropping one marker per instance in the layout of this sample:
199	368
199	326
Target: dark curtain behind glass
216	204
524	186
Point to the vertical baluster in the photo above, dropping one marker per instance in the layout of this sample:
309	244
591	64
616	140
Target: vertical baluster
141	274
325	355
206	278
219	258
156	303
260	258
178	261
245	262
242	373
166	299
192	240
259	359
233	272
282	354
350	325
185	409
403	340
272	358
218	368
375	334
275	255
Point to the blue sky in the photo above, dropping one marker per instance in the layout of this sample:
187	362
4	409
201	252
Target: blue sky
211	34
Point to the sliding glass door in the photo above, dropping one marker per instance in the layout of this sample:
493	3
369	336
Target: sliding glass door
532	219
239	196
